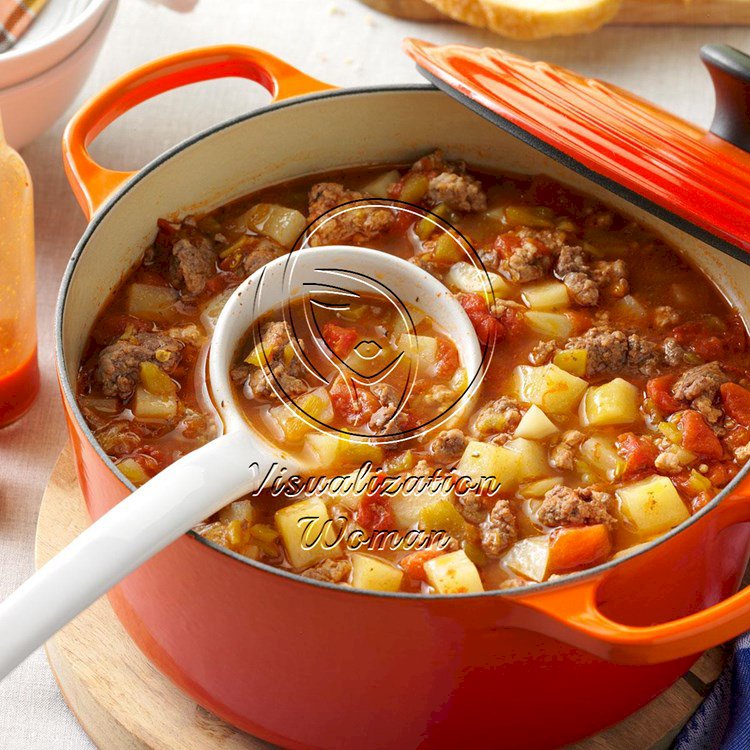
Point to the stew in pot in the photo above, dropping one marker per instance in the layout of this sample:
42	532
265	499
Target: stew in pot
616	402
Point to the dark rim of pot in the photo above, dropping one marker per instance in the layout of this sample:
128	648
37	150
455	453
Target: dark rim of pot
539	145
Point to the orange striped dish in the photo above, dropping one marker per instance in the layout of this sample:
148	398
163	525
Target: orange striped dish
15	17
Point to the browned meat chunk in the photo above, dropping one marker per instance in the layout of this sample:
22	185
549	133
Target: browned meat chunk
563	455
612	351
472	506
459	192
331	571
527	261
699	386
582	506
277	373
351	225
191	265
498	416
500	530
448	446
585	280
257	251
383	419
120	362
674	354
665	316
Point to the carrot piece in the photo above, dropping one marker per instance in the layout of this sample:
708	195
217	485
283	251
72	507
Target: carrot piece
736	400
698	437
659	390
413	563
578	547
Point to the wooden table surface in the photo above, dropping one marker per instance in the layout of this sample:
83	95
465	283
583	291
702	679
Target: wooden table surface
342	42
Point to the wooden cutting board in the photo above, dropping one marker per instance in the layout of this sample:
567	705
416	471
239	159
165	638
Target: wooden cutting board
124	703
697	12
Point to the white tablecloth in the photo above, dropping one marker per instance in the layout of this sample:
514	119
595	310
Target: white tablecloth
340	42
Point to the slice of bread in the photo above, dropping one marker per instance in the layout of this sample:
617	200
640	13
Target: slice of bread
531	19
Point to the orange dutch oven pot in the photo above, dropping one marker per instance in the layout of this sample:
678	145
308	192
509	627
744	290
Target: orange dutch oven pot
309	665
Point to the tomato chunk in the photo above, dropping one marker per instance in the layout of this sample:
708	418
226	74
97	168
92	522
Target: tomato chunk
579	546
413	563
352	403
374	513
447	358
722	473
639	453
698	437
341	340
736	401
659	390
488	328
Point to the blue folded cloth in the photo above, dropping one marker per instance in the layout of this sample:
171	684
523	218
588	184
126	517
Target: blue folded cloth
723	720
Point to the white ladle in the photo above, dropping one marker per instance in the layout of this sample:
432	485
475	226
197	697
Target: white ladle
204	481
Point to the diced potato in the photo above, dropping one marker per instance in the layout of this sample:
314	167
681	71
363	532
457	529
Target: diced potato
535	425
150	406
494	466
615	402
532	458
348	489
306	535
539	488
316	405
652	506
536	217
239	510
600	454
334	450
529	557
133	471
155	380
572	361
372	573
442	516
629	307
150	302
407	505
553	390
468	278
279	223
423	348
548	324
453	573
379	187
546	295
401	326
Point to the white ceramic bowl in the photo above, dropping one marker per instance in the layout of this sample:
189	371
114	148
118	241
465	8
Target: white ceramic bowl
30	107
60	30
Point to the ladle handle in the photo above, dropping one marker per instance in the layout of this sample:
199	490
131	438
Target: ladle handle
145	522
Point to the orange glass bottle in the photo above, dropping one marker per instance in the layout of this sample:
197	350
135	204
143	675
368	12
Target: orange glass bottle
19	372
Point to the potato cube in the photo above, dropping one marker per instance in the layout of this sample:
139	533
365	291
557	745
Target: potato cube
494	466
334	450
150	406
652	506
453	573
546	295
151	302
548	324
279	223
307	533
468	278
572	360
539	488
423	349
532	458
529	557
601	455
372	573
155	380
239	510
553	390
408	504
314	405
133	471
615	402
380	185
535	425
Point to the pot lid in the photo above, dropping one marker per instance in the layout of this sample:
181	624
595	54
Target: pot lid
696	180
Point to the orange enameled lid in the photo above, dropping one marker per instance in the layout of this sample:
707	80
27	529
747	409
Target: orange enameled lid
692	178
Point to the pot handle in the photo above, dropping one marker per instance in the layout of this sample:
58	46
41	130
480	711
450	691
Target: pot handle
572	614
92	183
